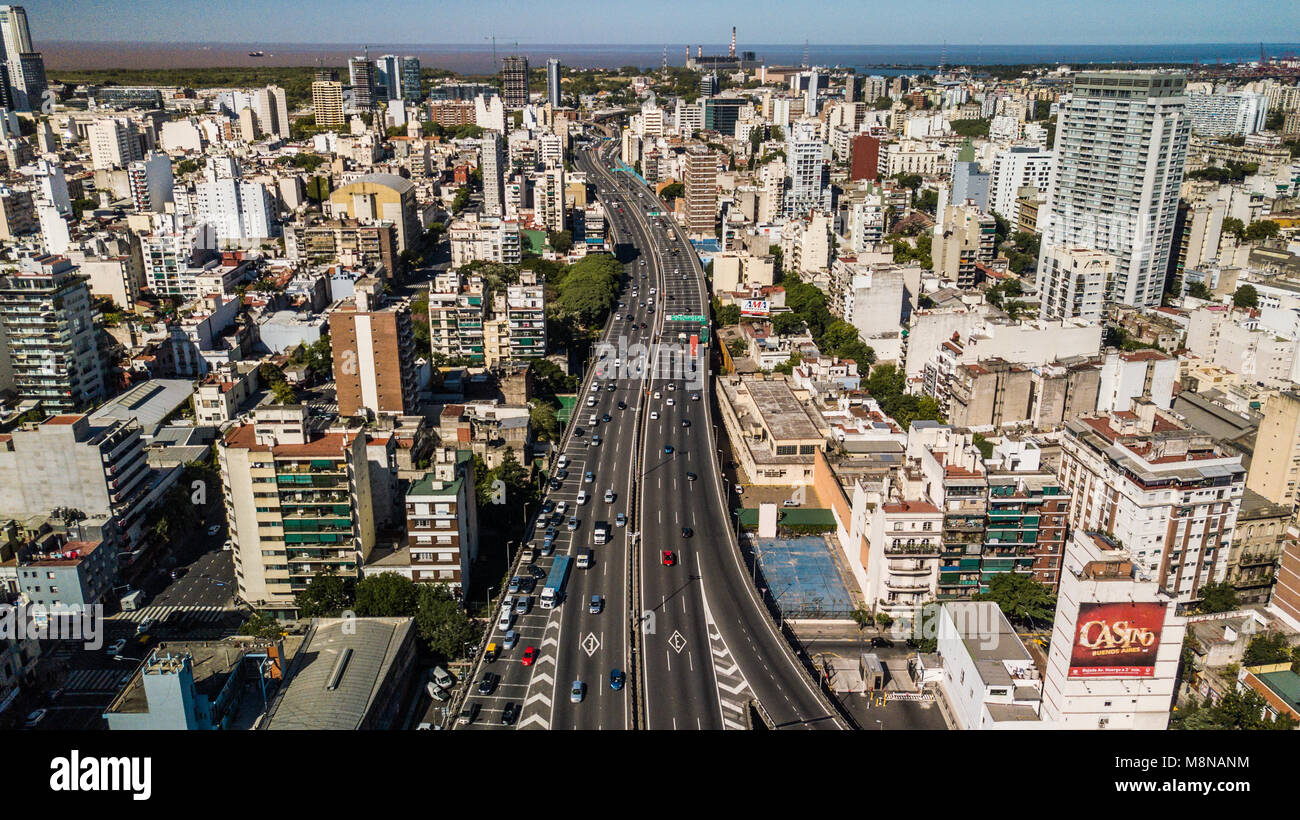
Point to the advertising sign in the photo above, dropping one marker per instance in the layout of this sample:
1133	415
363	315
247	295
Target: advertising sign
1116	640
753	307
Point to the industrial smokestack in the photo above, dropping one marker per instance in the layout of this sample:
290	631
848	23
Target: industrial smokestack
733	41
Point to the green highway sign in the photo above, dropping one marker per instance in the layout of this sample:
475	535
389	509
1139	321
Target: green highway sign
677	317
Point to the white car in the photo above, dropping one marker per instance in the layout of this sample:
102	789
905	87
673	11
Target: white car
582	497
656	394
506	621
654	414
594	386
670	401
562	507
609	496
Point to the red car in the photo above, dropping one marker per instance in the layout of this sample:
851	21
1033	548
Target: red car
530	655
669	558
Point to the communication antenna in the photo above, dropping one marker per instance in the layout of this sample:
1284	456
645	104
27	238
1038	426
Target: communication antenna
805	53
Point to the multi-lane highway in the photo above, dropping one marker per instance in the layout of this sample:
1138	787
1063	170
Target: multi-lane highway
706	646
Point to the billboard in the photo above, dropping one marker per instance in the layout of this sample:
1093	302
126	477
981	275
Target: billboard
753	307
1116	640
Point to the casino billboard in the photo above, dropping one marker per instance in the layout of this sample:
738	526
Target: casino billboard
1116	640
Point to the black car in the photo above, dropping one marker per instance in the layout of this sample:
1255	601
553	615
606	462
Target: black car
488	684
555	485
469	714
690	476
686	422
509	714
687	532
622	405
562	474
881	643
607	418
528	583
536	571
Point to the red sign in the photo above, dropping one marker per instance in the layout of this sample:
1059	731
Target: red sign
1117	640
695	344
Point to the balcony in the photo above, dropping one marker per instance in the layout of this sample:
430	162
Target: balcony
916	549
909	567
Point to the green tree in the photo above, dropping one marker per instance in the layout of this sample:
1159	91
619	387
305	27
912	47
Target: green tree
1218	597
80	206
1261	230
1234	226
727	315
441	622
672	191
284	393
1235	710
787	324
386	595
1266	647
1022	599
546	427
737	348
560	241
861	617
1246	297
462	199
326	596
1199	290
262	626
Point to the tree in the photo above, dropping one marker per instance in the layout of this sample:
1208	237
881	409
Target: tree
80	206
787	324
884	620
441	621
546	427
1218	597
1267	647
883	103
728	315
861	617
560	241
1261	230
1022	599
1199	290
1246	297
1234	226
1235	710
737	348
326	596
262	626
672	191
462	199
386	595
284	393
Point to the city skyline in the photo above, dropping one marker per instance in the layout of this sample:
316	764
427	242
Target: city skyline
764	21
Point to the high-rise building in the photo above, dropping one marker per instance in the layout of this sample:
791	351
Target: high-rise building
25	66
514	82
1017	167
1227	114
701	193
374	353
865	161
298	504
48	331
1121	147
709	84
526	317
548	199
388	77
151	182
272	111
963	239
327	102
492	166
363	75
1072	283
553	82
969	183
456	312
442	521
807	174
412	90
233	208
114	142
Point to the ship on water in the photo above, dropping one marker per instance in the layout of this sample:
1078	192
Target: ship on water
257	54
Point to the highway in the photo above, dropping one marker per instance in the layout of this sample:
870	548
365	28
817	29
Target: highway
707	647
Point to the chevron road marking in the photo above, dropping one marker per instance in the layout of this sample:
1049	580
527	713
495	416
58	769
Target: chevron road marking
727	674
531	719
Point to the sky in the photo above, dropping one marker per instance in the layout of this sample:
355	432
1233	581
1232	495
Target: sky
830	22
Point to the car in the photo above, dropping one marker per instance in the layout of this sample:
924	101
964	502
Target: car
687	532
671	386
524	604
468	715
116	647
505	621
577	432
610	496
622	405
511	638
654	414
562	507
881	643
631	318
668	558
144	626
596	605
537	572
620	520
670	401
691	476
595	387
562	474
573	523
437	693
616	678
582	498
35	718
179	572
424	727
228	546
595	441
214	529
551	532
611	387
554	484
643	325
530	655
488	683
695	397
509	714
607	418
668	449
789	502
588	477
657	394
577	692
686	422
514	584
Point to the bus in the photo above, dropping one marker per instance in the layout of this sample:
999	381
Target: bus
553	593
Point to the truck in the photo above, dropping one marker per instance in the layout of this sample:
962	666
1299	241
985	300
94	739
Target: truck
132	601
553	592
600	534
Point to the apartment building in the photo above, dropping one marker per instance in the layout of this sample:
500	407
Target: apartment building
902	566
485	238
298	503
1166	492
701	193
1072	283
349	242
457	311
373	348
47	325
963	240
442	528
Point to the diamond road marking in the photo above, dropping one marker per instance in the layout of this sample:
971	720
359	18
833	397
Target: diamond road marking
677	642
590	644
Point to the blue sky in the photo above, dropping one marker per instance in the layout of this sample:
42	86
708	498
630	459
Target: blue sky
668	21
